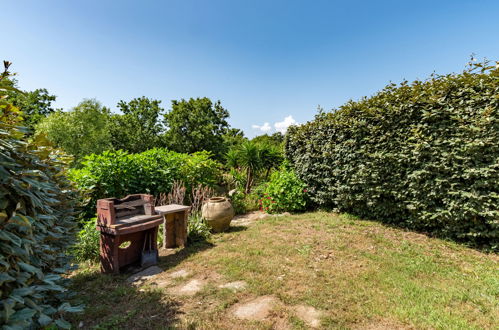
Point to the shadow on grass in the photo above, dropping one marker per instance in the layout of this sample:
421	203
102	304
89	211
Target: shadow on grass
173	259
112	303
236	229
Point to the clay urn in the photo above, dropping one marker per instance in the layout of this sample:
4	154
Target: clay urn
218	212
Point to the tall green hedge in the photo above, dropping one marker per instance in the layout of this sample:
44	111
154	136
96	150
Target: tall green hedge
118	173
423	155
37	226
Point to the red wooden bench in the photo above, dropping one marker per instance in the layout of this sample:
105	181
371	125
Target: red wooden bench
131	219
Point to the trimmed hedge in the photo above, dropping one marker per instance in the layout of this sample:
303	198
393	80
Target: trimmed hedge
424	155
118	173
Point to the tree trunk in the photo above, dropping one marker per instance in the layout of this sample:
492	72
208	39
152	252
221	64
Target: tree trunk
249	178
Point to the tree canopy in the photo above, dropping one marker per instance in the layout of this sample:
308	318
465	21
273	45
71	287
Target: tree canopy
35	105
139	127
81	131
196	125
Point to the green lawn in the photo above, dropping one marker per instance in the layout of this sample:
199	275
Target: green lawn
359	274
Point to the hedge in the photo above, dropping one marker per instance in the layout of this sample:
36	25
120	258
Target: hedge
37	226
424	155
118	173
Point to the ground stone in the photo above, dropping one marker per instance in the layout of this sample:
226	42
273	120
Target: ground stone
190	288
255	310
179	273
162	283
309	315
145	274
235	286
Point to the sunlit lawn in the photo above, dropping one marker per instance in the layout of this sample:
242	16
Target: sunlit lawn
360	274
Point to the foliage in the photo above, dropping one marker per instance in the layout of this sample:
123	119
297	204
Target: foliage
237	200
424	155
80	131
253	158
87	243
37	225
139	128
284	192
276	140
196	125
233	137
35	105
197	229
118	173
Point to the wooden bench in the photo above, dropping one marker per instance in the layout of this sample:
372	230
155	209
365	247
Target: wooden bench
175	224
131	219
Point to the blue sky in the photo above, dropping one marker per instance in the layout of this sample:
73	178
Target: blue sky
265	60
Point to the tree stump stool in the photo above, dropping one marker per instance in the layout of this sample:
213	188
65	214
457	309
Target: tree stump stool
175	224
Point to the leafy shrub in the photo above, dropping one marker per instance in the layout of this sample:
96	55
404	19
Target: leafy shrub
238	202
87	243
118	173
197	229
424	155
37	226
284	192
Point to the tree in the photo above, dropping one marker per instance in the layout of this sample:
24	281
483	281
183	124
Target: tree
271	157
81	131
35	105
138	128
275	139
196	125
233	137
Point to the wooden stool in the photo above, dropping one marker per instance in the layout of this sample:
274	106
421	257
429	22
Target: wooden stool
175	224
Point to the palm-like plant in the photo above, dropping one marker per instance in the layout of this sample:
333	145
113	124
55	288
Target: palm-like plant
271	157
253	157
249	157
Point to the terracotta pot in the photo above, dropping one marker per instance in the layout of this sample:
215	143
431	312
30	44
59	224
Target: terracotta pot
218	212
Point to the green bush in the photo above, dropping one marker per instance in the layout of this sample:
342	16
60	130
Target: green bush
284	192
118	173
37	226
237	201
423	155
197	229
87	243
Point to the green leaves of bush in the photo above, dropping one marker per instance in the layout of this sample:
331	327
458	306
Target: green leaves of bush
87	244
37	225
284	192
118	173
424	155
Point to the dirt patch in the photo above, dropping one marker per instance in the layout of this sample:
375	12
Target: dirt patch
309	315
248	218
254	310
382	324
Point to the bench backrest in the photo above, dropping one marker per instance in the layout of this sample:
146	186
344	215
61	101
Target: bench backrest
111	210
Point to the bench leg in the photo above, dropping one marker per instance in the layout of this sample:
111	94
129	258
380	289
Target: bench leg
109	261
181	228
169	231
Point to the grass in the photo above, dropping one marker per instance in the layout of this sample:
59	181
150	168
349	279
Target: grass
361	274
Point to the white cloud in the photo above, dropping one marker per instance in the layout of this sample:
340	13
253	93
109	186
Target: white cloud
282	126
264	128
